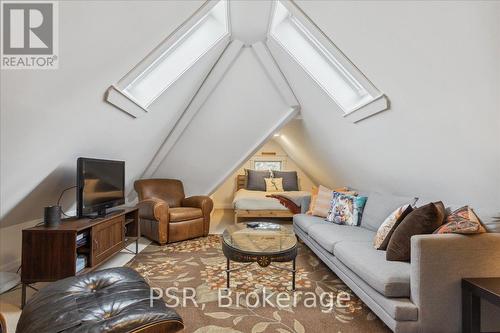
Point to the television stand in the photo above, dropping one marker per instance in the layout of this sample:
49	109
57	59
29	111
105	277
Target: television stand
104	214
50	254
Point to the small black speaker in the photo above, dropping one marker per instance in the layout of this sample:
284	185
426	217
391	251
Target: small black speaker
52	216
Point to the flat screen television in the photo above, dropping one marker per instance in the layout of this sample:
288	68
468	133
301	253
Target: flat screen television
100	185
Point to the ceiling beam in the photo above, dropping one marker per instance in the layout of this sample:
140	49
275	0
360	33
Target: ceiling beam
275	75
213	78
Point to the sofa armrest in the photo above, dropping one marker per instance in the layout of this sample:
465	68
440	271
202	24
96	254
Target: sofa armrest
438	264
153	209
205	204
305	204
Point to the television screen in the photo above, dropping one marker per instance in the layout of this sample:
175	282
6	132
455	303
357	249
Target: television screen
101	185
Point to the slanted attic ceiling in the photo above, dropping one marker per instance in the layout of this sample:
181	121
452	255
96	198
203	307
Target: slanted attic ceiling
439	140
245	98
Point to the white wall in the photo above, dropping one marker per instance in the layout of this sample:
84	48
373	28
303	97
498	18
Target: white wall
49	118
223	197
439	64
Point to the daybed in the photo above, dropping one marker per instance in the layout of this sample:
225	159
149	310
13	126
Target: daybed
257	204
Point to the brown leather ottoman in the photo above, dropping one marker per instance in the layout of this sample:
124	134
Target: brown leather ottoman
113	300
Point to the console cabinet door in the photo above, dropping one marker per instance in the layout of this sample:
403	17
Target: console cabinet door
107	239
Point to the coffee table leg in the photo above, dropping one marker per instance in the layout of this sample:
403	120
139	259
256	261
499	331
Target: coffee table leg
227	273
23	295
293	275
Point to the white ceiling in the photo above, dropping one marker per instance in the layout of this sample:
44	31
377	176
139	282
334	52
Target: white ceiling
249	19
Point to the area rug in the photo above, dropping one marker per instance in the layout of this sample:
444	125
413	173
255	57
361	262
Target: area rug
260	299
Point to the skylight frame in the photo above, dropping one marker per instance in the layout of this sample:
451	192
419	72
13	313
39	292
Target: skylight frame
118	94
332	54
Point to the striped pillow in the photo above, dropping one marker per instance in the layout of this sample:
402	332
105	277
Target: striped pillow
314	195
323	202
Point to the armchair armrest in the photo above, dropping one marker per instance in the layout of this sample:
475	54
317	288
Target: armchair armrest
153	209
205	204
438	264
199	201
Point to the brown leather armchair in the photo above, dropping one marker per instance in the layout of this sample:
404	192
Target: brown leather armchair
167	215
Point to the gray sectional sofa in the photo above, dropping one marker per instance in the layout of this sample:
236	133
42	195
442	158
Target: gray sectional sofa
423	295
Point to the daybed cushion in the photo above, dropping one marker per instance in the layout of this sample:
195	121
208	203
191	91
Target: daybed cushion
255	179
328	234
381	205
290	179
390	278
258	200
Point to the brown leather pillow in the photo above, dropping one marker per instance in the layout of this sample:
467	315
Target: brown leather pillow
423	220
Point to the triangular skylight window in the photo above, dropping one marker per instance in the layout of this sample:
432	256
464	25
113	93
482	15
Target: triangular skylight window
145	83
322	60
289	29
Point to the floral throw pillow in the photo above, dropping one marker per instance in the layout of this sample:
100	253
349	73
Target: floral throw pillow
346	209
386	229
461	221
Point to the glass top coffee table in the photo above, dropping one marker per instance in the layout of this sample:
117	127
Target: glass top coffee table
260	242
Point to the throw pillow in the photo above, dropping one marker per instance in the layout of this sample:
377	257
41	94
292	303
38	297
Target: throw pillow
314	195
422	220
274	184
346	209
461	221
321	204
290	179
255	179
387	228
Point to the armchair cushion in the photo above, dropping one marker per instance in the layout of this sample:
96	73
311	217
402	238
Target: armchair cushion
178	214
153	209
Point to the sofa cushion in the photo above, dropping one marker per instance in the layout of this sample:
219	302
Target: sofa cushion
390	224
461	221
323	202
184	213
423	220
390	278
346	209
306	221
381	205
328	234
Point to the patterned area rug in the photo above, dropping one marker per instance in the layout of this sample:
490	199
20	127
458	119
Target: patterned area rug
260	299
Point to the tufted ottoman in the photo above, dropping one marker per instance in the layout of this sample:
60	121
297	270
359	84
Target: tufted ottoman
113	300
